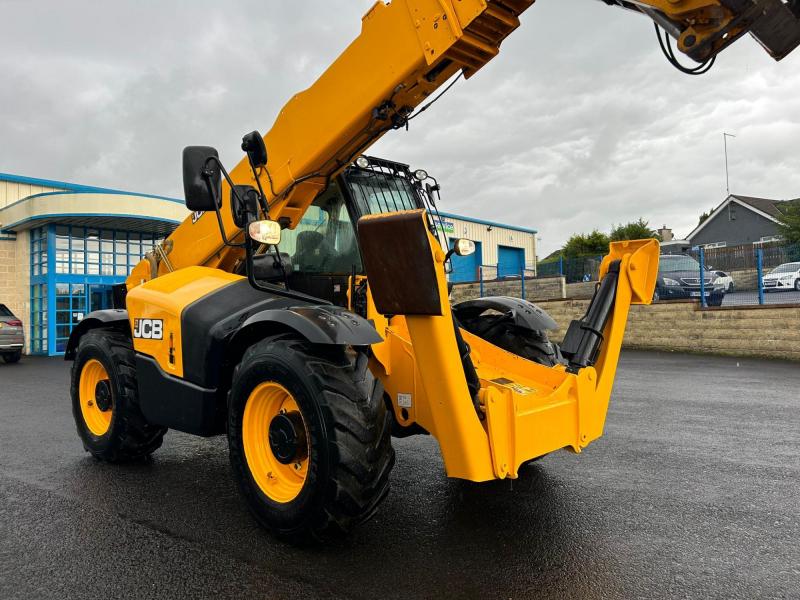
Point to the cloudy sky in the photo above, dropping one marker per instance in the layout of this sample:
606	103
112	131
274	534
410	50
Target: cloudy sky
578	124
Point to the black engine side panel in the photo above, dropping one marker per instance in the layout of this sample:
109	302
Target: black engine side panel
208	323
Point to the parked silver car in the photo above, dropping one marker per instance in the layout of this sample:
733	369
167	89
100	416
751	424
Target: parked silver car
12	338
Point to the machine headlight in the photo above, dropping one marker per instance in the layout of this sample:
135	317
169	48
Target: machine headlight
265	232
670	282
362	161
464	247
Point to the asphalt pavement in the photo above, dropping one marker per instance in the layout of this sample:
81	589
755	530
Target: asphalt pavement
694	491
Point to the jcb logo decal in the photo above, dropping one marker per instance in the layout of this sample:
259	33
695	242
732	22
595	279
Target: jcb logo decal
148	329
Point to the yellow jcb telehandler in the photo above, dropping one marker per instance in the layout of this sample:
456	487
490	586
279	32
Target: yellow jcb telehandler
302	309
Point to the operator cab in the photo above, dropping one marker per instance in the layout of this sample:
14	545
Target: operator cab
323	247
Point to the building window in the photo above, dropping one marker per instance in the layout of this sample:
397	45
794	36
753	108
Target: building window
39	251
38	335
84	265
86	251
768	239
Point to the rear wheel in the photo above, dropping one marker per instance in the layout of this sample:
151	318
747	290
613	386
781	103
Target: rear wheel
309	438
105	400
500	330
12	357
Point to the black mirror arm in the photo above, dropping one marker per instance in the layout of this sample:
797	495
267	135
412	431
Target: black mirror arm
217	201
262	199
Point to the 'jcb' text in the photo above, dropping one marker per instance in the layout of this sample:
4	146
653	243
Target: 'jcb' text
148	329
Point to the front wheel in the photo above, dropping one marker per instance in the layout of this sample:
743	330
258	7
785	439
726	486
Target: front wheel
309	438
105	399
797	286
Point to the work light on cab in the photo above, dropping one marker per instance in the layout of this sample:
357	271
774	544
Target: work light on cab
265	232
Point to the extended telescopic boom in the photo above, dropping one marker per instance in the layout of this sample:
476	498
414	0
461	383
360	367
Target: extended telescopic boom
406	51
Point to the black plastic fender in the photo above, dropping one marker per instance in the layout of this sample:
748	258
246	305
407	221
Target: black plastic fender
115	317
525	314
319	324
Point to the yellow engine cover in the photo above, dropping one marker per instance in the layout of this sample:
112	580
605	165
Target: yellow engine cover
155	308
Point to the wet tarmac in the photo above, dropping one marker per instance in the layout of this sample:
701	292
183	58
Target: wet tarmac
693	492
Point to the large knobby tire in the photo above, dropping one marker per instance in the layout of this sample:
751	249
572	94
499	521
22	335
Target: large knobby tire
337	470
500	330
105	399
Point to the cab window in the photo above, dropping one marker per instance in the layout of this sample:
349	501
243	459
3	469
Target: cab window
325	240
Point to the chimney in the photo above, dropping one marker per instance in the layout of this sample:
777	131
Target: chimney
666	234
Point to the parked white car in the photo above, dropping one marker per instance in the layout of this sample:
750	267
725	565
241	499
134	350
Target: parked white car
725	280
783	277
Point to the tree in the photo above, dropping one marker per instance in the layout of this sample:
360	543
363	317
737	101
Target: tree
789	221
705	216
580	244
636	230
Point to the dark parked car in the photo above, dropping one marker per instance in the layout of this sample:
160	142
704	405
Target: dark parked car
12	339
679	277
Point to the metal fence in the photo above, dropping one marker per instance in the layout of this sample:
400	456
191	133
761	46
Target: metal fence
737	276
513	285
575	269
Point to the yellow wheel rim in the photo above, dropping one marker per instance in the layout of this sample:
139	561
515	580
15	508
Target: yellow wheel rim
280	482
96	416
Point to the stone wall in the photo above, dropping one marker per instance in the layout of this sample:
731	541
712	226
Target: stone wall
544	288
581	290
757	331
9	276
541	289
746	280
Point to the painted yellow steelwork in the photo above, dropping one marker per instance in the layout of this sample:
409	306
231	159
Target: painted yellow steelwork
98	421
530	410
280	482
164	299
406	50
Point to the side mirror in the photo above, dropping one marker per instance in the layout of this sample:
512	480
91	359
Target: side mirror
265	232
201	178
256	150
244	204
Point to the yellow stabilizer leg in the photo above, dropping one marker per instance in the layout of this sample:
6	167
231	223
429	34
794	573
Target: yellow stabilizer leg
524	409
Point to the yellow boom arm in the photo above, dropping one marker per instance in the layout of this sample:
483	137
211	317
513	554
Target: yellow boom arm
406	51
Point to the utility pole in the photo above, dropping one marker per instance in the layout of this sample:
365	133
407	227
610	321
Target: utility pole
725	137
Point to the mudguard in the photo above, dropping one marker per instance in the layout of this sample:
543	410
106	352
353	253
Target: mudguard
319	324
115	317
525	314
